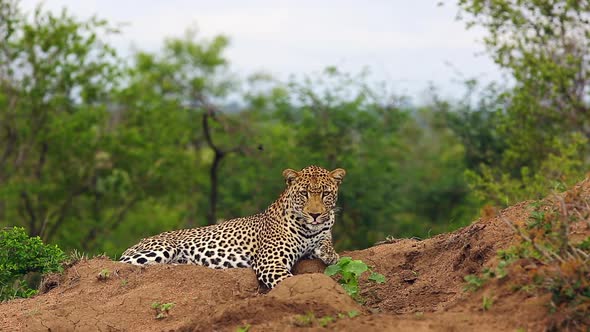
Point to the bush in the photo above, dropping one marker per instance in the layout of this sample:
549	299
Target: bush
560	169
21	255
563	265
547	260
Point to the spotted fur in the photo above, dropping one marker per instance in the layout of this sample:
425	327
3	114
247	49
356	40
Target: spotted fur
296	225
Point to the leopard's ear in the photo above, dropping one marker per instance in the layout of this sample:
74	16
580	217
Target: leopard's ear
338	174
290	175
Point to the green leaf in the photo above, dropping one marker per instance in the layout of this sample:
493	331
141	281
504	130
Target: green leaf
344	260
351	288
332	270
377	277
356	267
353	313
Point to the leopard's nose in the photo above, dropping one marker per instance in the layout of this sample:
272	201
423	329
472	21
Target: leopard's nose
314	215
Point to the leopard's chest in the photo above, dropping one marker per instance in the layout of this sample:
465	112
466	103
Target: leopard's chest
306	240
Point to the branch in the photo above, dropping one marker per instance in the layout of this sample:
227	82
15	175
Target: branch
207	132
11	136
62	214
548	254
118	217
114	222
30	211
42	157
10	143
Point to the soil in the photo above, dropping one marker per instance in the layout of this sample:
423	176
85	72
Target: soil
424	291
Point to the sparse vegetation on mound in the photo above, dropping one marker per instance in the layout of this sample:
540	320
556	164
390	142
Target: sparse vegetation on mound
517	262
552	256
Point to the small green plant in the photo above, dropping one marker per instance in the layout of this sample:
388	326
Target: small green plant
309	319
21	255
474	282
353	313
324	321
75	256
585	244
162	309
104	274
486	302
124	282
305	320
244	328
350	271
506	258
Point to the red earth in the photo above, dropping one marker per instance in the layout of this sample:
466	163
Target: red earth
424	291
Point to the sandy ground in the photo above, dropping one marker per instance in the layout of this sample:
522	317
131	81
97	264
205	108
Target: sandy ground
423	292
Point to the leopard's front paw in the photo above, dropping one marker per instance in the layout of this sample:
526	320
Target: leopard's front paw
330	258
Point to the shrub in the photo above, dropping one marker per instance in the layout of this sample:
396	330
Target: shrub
560	169
563	266
21	255
554	262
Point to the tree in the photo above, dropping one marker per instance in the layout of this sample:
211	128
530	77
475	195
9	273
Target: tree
186	81
56	74
545	46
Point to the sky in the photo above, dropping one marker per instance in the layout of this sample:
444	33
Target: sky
407	44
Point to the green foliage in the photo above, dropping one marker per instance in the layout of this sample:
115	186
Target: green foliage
543	121
117	144
304	320
433	163
75	256
324	321
104	274
500	271
20	255
57	77
563	264
476	121
585	245
544	45
352	313
377	277
486	302
162	309
350	271
559	170
96	151
474	282
244	328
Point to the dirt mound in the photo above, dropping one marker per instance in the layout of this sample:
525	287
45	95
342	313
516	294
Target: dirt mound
423	292
298	295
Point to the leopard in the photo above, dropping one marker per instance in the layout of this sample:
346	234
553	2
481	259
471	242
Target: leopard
297	225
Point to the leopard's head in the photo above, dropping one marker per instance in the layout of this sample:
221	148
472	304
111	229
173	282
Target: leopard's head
312	193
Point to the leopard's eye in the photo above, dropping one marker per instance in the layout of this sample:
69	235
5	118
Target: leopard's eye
303	193
326	193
